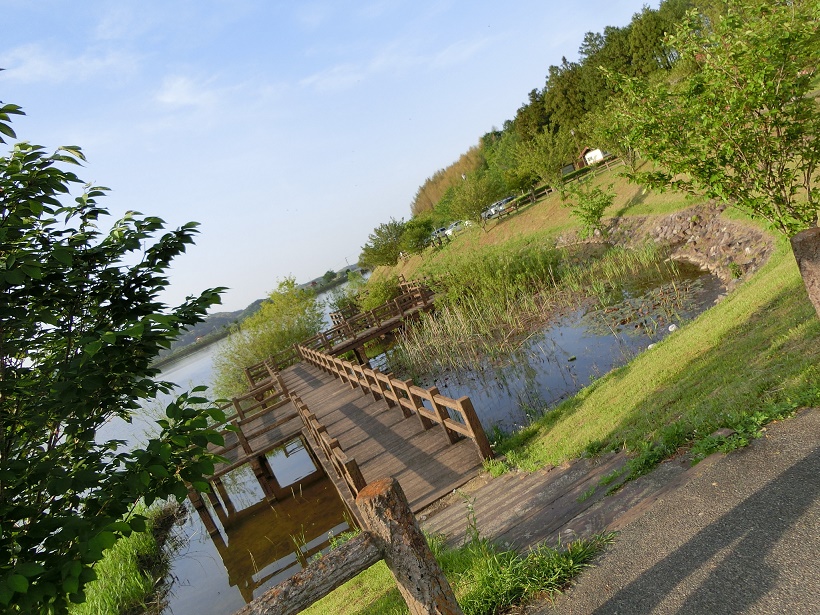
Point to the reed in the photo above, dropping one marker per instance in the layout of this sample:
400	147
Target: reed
488	305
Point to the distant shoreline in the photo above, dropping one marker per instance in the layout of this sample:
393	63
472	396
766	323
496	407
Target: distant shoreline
185	351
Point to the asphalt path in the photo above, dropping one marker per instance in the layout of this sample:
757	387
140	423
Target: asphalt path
741	536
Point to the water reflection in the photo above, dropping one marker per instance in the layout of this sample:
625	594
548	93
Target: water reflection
554	364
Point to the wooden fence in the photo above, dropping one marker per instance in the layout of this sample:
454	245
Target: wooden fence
345	467
414	299
457	417
392	534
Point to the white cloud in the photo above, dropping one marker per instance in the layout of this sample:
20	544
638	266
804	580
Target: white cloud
341	77
32	64
178	91
458	53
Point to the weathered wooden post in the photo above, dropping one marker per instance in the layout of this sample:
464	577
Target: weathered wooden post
421	582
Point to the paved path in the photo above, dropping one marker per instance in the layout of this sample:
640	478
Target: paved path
742	535
737	533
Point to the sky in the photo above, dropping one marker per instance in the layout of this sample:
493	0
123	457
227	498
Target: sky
288	130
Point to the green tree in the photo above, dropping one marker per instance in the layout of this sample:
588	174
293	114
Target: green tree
740	127
329	276
80	323
289	315
546	155
383	245
476	193
587	203
416	235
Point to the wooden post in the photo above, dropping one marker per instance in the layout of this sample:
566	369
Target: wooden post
420	579
443	415
479	437
204	513
361	356
223	493
417	403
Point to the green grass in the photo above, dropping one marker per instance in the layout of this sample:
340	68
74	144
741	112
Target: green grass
753	358
131	572
484	578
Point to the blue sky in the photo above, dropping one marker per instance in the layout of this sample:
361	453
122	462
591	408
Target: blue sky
289	130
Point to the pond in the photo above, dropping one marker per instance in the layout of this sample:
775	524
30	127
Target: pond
555	363
265	543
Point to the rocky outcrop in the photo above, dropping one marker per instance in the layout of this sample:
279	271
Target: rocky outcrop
730	249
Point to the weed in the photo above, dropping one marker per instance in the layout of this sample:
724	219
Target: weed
495	467
587	494
735	270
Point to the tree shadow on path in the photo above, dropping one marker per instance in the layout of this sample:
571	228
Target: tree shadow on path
733	548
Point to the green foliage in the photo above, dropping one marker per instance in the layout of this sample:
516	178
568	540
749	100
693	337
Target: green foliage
383	245
476	193
739	126
343	299
546	154
80	323
416	235
289	315
378	292
328	277
588	204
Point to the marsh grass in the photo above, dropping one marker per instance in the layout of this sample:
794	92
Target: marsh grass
489	305
131	576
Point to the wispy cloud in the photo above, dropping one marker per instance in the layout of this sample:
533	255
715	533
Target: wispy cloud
179	91
394	58
32	64
341	77
459	53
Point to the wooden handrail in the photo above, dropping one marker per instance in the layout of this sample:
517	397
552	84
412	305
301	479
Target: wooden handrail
457	417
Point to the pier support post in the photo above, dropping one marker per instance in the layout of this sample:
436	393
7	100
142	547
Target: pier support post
204	513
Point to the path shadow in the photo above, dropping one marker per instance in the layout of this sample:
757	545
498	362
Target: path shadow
746	534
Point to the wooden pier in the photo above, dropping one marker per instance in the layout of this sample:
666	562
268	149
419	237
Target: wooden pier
381	426
352	333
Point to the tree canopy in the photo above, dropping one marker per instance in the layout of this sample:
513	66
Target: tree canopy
383	244
80	323
738	125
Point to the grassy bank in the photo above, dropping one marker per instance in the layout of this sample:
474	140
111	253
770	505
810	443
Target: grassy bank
484	578
131	576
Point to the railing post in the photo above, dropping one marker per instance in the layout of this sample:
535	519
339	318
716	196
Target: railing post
442	415
479	437
420	580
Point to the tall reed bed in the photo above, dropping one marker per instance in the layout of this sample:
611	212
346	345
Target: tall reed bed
489	302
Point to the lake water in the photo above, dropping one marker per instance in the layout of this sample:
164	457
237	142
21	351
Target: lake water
267	543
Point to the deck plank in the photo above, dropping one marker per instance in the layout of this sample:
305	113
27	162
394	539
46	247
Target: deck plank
382	441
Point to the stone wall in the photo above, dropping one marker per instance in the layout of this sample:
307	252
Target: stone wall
729	249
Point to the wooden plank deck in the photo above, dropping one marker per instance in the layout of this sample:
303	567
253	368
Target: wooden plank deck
382	441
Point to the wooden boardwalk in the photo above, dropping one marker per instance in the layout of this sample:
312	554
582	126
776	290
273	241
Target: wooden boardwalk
382	440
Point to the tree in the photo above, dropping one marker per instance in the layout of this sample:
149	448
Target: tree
289	315
416	235
475	193
739	126
546	155
588	203
80	323
329	276
383	244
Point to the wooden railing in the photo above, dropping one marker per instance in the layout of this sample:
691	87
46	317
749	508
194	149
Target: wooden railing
269	396
392	534
416	297
457	417
345	467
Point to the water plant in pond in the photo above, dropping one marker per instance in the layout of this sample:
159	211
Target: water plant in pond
491	306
